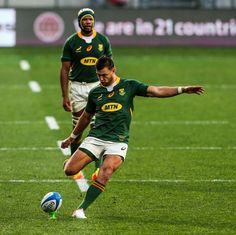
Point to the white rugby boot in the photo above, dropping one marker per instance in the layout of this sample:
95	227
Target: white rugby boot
79	214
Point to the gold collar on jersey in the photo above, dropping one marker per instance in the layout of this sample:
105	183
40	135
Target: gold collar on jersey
80	35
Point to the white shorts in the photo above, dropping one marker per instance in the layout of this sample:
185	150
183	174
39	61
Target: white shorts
97	148
79	94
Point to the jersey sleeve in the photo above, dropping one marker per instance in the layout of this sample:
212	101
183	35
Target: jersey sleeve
139	88
91	106
108	50
66	52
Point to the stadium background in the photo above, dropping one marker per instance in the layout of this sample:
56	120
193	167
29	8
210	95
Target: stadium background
179	177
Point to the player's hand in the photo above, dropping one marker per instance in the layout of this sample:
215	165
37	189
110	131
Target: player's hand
193	89
67	142
66	104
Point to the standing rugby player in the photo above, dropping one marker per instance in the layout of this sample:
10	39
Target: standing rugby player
78	73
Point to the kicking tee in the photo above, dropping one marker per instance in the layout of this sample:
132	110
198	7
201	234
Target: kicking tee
113	110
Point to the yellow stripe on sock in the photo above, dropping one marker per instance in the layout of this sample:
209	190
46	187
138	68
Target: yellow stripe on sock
95	181
102	189
98	185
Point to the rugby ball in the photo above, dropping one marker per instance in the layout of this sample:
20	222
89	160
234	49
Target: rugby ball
51	202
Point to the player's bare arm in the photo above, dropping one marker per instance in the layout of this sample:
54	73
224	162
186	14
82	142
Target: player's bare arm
65	69
81	125
162	92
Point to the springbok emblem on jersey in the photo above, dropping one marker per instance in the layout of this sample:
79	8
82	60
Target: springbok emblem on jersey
100	47
122	91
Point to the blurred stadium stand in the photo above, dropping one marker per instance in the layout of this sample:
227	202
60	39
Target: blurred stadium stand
143	4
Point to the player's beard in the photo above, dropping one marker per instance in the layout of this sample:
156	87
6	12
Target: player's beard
87	31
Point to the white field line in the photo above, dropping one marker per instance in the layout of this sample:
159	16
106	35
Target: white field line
186	148
29	149
34	86
24	65
26	122
150	122
125	181
206	86
196	122
52	123
53	87
222	86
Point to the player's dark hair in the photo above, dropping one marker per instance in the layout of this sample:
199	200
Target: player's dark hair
104	62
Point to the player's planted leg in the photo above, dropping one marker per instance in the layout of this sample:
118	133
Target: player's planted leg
110	164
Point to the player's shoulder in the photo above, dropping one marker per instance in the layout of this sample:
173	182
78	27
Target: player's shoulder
134	81
71	37
128	81
96	89
131	83
101	36
125	83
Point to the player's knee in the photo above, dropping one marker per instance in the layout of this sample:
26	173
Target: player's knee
105	174
69	170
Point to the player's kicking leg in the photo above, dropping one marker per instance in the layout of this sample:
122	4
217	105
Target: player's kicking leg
75	145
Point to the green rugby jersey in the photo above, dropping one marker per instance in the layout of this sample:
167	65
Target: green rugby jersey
114	109
83	55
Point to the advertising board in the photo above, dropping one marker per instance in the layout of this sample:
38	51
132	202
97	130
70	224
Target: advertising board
130	27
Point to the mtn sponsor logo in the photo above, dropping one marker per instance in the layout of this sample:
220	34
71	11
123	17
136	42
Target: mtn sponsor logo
111	107
89	61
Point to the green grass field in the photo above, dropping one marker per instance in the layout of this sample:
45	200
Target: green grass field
180	172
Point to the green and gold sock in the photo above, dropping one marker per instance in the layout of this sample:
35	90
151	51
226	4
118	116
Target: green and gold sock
93	192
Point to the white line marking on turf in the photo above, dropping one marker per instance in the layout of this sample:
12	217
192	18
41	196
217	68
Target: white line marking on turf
53	87
29	149
213	148
185	148
24	65
207	86
52	123
196	122
34	86
222	86
150	122
21	122
126	181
